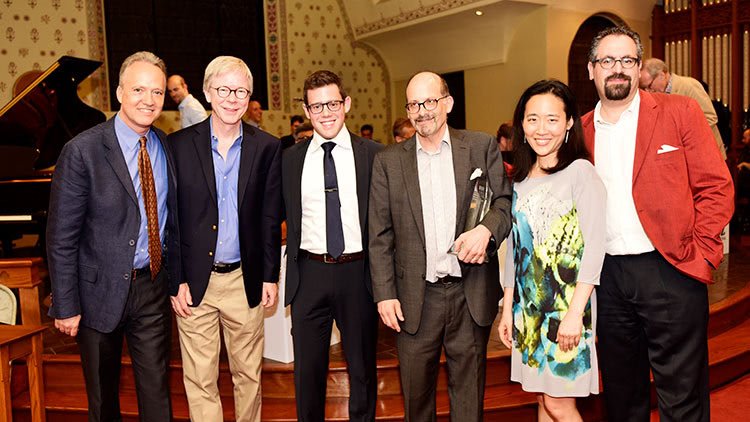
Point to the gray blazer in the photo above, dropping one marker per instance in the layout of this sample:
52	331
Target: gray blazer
93	228
396	226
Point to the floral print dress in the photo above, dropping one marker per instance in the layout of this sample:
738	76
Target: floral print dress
557	241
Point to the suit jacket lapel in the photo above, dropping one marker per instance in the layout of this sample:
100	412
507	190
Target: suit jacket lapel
647	116
247	161
462	172
114	156
411	183
361	169
297	160
202	144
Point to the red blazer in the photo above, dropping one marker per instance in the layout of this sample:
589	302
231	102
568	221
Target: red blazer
684	197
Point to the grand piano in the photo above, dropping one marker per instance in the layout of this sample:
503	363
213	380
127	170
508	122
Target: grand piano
43	115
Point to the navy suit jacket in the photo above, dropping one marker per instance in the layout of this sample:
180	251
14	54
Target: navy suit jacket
258	202
294	160
92	228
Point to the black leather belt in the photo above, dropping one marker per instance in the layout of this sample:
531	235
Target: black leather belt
223	268
328	259
447	280
140	272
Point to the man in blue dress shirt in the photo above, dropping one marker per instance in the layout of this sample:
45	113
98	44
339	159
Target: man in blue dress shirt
109	277
229	206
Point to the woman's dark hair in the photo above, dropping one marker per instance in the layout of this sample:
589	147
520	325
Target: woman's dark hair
524	156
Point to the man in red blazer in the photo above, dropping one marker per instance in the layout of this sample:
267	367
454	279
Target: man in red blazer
669	194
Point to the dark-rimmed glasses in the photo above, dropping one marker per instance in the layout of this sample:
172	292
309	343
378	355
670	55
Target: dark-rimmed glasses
239	93
609	62
317	108
428	104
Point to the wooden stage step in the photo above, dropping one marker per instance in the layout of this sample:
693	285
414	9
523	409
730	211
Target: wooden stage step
729	359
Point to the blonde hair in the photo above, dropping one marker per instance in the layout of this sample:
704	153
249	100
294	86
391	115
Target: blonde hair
223	64
142	56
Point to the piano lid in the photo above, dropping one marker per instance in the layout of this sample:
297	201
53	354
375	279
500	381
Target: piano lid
45	115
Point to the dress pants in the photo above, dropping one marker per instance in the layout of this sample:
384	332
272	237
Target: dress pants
652	317
329	292
146	324
224	305
446	323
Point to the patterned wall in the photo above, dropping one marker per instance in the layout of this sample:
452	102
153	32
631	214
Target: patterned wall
303	37
35	33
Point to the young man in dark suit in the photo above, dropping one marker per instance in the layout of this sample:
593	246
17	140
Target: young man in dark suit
326	188
229	204
112	214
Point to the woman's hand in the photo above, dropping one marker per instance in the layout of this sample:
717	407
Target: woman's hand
569	333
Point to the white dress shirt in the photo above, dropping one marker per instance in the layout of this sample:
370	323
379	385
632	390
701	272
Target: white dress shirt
437	187
191	111
614	156
313	236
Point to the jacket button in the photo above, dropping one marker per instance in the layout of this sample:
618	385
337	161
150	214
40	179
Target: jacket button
210	253
126	276
424	277
131	242
213	227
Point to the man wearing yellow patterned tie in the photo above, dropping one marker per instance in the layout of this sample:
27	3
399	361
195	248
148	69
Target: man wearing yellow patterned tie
110	221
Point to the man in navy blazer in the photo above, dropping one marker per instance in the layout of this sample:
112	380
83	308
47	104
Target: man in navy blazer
229	196
98	246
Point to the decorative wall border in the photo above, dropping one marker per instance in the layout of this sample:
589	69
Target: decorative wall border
98	51
410	15
273	55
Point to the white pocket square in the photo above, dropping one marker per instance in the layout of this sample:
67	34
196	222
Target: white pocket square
666	148
476	173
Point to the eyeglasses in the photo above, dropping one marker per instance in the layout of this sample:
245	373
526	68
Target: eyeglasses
609	62
317	108
428	104
239	93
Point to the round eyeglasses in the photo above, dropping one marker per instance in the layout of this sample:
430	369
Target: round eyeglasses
609	62
239	93
317	108
428	104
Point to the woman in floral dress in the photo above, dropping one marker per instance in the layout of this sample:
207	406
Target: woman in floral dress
555	254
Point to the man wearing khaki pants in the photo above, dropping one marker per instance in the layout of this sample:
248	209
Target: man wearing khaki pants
229	206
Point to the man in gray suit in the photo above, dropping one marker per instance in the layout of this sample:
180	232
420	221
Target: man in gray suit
436	284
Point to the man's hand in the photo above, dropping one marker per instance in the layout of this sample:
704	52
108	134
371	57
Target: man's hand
471	246
181	302
68	326
270	294
390	313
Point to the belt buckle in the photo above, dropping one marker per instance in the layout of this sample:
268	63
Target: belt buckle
328	259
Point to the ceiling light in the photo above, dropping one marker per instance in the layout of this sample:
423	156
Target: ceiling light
478	12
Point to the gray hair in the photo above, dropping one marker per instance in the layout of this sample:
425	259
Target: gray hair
616	30
654	66
142	56
223	64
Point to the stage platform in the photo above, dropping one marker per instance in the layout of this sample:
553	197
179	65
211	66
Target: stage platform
729	345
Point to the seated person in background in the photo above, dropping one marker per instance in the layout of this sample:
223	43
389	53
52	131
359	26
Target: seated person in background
191	110
303	132
743	185
294	122
402	130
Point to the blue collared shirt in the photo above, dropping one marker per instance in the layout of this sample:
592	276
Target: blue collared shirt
226	173
130	144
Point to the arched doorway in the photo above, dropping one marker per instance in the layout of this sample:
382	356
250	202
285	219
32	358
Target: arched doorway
578	77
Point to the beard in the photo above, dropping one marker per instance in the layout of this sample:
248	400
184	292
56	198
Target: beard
426	124
619	91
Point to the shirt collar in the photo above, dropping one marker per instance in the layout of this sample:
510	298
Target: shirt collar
128	138
215	140
632	108
342	139
445	139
